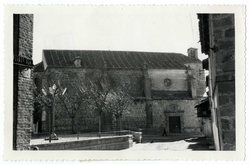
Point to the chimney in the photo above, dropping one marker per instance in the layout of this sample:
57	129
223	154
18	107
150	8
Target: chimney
193	53
105	66
78	61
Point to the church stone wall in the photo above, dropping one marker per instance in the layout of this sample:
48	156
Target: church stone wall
178	78
86	118
183	108
199	75
131	79
136	118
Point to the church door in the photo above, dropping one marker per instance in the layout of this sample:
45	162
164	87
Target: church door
174	124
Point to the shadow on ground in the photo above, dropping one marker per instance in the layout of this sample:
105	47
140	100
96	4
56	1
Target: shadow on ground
169	138
194	143
199	143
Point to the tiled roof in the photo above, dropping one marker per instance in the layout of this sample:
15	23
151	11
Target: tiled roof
39	67
116	59
202	102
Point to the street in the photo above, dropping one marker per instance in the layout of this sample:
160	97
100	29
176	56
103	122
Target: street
171	143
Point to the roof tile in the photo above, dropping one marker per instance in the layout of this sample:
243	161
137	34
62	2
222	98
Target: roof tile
117	59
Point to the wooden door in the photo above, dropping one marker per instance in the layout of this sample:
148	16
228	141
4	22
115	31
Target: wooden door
174	124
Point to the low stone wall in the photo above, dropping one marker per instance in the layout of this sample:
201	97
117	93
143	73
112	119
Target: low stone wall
105	143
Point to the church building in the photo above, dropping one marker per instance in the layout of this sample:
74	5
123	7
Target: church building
165	87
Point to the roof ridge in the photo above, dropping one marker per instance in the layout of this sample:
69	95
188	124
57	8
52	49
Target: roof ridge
116	51
117	59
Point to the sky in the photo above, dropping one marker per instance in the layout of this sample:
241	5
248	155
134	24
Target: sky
123	28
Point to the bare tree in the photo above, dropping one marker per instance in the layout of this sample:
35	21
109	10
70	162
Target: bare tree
69	94
48	97
97	93
120	103
74	100
99	90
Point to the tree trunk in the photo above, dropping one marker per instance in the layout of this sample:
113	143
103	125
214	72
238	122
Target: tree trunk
72	124
78	131
116	123
99	125
120	122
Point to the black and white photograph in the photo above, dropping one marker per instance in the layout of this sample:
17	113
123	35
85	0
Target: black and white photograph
125	79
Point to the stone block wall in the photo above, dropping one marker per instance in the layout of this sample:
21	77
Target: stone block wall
217	34
131	79
184	108
26	35
86	116
105	143
178	79
201	81
199	76
224	39
136	118
23	83
24	110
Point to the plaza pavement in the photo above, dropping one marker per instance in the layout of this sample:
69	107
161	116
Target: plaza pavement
149	142
171	143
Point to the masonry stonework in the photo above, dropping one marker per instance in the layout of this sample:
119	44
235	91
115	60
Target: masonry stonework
221	39
23	83
160	90
185	108
26	35
225	72
135	119
131	79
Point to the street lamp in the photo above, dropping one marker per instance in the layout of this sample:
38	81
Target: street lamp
53	91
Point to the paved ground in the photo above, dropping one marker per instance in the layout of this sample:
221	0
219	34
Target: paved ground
149	142
171	143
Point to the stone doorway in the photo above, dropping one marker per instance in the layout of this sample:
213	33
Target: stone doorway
174	119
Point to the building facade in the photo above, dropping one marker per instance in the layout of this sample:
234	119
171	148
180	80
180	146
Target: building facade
217	36
165	88
22	80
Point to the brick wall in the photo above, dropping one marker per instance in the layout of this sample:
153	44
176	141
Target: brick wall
23	83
